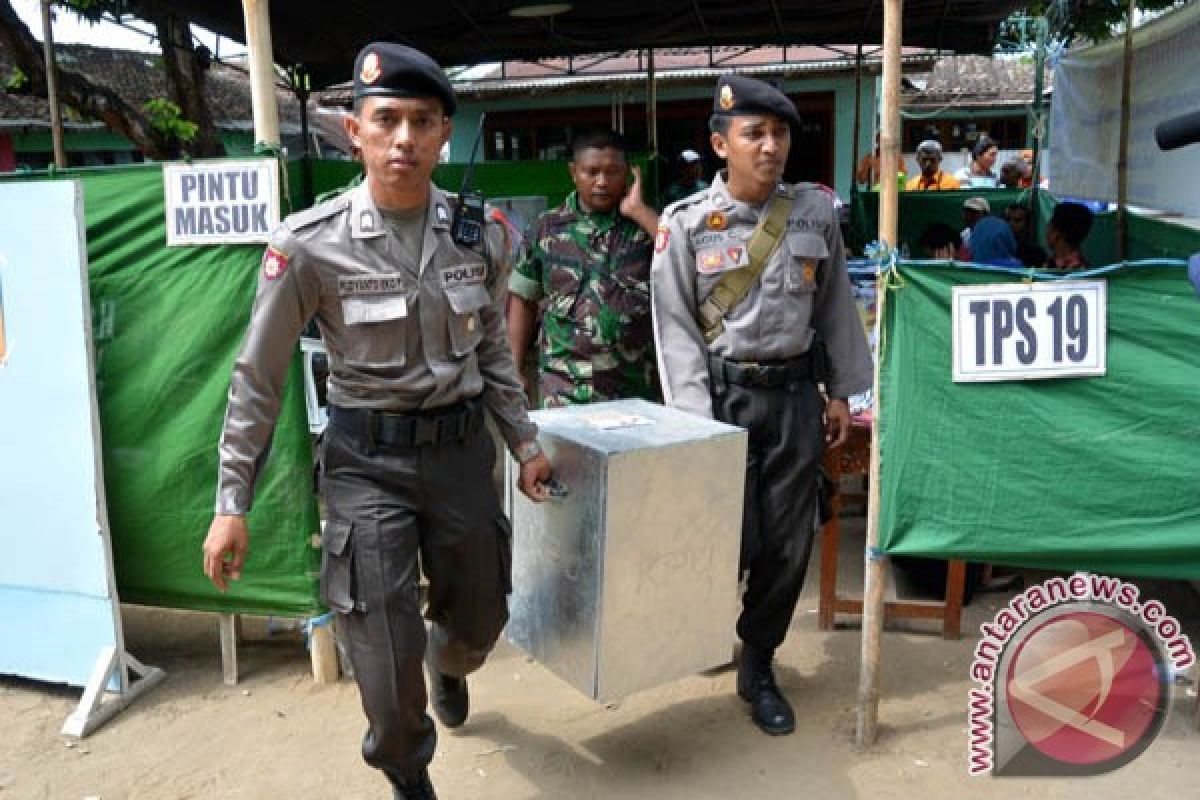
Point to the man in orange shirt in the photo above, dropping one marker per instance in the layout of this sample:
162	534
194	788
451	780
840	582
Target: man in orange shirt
931	179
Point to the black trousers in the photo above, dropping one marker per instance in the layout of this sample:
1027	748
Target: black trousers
787	439
393	512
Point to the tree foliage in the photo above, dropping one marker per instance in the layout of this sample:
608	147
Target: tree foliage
1091	20
157	130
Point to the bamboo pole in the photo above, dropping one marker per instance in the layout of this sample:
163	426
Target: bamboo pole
262	73
857	120
873	608
56	128
1123	155
651	105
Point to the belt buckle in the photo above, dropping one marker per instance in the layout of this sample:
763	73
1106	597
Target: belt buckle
426	431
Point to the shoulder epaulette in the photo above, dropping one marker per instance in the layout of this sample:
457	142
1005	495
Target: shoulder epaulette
319	212
686	202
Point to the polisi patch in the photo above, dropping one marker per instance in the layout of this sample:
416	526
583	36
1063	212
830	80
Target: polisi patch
274	263
464	274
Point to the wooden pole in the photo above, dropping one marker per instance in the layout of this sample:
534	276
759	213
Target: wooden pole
651	105
56	129
889	135
857	120
1123	155
873	608
257	14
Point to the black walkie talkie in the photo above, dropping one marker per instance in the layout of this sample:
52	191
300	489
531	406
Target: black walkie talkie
468	224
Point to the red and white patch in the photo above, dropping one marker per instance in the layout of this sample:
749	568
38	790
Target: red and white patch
738	256
710	261
661	239
274	263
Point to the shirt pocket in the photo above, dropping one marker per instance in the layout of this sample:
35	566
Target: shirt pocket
803	260
629	294
375	331
466	325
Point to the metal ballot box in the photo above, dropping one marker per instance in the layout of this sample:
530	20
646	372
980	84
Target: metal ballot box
630	580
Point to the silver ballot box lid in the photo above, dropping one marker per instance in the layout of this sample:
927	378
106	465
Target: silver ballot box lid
629	580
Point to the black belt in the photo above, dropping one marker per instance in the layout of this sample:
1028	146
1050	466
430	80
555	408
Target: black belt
760	374
452	423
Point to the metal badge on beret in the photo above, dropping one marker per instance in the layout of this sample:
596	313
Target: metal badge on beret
726	100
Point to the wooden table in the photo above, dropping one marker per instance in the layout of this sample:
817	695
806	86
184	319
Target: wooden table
854	458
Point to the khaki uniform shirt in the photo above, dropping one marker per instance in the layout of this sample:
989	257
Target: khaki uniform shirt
804	291
399	336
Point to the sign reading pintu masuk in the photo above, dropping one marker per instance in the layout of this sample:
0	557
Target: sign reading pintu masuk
221	202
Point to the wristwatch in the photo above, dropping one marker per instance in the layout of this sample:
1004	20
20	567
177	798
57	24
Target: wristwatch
527	451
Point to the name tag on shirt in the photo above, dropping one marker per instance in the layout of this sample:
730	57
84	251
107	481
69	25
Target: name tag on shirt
371	284
361	309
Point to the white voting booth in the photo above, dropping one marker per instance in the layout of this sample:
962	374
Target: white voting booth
59	613
629	579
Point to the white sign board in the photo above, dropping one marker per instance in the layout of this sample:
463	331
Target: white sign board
57	600
1085	124
1025	331
221	202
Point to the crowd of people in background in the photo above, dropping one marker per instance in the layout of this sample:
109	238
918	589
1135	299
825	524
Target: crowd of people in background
1006	238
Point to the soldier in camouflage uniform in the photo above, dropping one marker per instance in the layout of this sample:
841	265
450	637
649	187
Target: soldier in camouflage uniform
586	275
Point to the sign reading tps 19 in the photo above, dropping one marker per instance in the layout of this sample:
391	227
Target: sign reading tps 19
221	202
1023	331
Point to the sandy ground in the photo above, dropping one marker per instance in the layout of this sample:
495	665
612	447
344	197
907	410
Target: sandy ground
277	734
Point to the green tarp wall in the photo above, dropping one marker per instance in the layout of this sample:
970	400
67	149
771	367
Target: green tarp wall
1079	473
167	324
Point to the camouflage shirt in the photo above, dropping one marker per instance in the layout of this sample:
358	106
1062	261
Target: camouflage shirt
589	273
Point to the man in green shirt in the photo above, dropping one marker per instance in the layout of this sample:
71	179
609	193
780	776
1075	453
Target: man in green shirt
583	285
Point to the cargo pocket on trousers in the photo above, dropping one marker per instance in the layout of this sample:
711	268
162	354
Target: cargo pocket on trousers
338	584
504	548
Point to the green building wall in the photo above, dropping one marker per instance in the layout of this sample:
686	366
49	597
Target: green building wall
466	121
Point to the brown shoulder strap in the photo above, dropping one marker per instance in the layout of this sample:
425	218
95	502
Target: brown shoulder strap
735	284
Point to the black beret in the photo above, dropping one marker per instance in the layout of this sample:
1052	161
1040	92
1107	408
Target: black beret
387	69
738	94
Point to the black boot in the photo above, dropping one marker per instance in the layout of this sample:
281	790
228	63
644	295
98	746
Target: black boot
756	685
418	787
448	696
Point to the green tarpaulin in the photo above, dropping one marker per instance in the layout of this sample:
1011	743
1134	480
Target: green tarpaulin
167	323
1077	473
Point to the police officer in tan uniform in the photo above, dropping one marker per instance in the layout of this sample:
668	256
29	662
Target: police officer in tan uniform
749	357
414	326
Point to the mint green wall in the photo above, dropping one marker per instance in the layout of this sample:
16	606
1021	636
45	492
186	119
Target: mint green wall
73	140
466	121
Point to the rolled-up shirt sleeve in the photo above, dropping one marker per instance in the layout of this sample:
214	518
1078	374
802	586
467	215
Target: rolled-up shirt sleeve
287	297
682	351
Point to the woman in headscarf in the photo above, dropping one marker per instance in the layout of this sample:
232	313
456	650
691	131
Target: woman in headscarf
993	242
